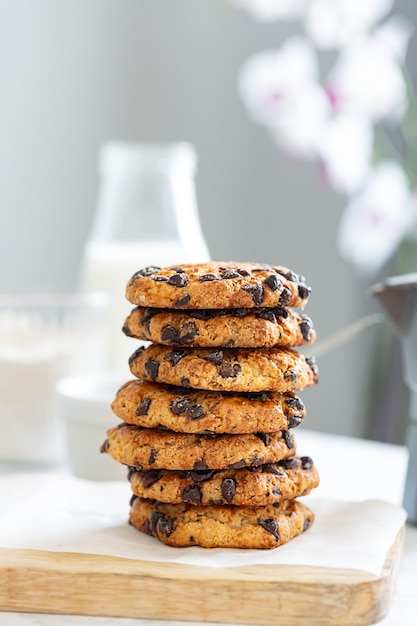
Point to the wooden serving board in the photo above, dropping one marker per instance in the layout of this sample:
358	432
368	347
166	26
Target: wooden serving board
84	584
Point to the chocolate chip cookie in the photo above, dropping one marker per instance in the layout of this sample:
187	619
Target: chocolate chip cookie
182	525
250	486
155	405
227	369
217	285
238	328
146	448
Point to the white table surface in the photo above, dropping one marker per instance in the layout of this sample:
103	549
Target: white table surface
355	470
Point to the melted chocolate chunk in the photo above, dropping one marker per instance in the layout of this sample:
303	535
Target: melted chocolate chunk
288	438
200	465
150	477
152	456
306	327
289	275
289	464
272	282
271	468
126	331
285	296
152	367
311	360
180	405
195	412
169	333
237	465
199	476
174	357
228	489
215	357
136	354
306	462
303	291
183	301
205	278
149	313
256	292
294	421
160	279
295	403
264	437
178	280
143	407
229	370
146	271
270	525
205	314
161	523
192	494
230	274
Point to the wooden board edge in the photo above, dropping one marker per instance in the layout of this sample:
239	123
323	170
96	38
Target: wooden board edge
51	582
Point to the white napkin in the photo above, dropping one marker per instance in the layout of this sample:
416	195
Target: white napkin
62	513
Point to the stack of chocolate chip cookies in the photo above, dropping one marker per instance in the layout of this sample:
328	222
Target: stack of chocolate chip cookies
207	430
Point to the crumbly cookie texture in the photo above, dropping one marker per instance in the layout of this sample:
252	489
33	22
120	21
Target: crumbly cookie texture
250	486
227	369
182	525
238	328
156	405
217	285
145	448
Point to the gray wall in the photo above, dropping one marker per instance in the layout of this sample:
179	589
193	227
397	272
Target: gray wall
77	73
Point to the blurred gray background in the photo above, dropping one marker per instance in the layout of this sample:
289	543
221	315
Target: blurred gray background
77	73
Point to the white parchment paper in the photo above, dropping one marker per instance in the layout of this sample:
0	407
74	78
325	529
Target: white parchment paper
62	513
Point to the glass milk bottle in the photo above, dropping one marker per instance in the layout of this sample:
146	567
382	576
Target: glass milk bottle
146	215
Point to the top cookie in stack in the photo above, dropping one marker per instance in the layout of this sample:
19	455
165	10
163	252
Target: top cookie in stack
207	421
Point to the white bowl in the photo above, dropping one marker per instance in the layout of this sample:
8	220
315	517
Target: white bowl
84	404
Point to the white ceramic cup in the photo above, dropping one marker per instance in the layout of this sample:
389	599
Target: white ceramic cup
84	404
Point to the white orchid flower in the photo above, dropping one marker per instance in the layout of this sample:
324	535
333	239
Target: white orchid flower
281	91
270	10
345	150
375	221
367	78
334	23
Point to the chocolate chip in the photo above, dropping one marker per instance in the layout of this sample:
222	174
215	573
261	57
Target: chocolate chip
258	460
199	476
294	421
271	468
169	333
153	520
288	274
146	271
177	268
152	367
188	333
311	360
256	292
306	327
306	462
205	278
303	291
126	330
289	464
149	313
243	272
290	375
165	525
132	499
182	301
200	465
264	437
178	280
237	465
260	396
273	282
230	274
307	524
288	438
105	446
143	407
152	456
174	357
229	370
195	412
230	343
150	477
267	314
215	357
160	279
205	314
136	354
228	489
270	525
192	494
295	403
180	405
285	296
240	312
185	382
